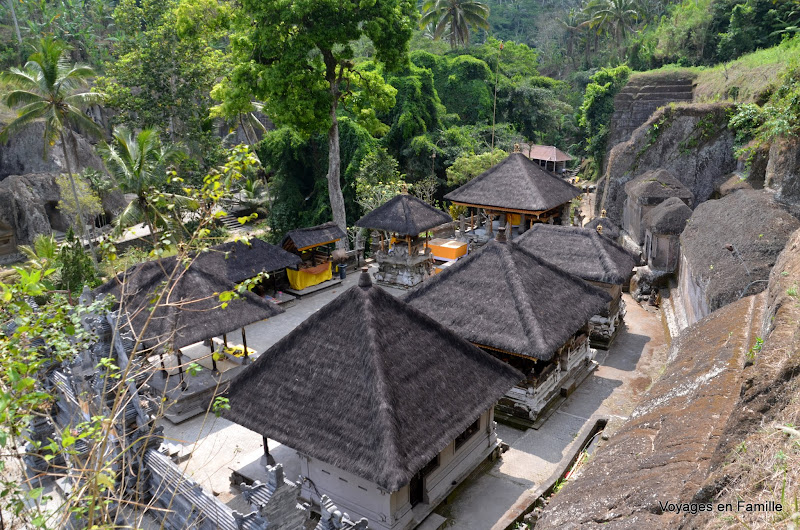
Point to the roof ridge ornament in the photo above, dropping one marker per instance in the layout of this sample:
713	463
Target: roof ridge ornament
364	280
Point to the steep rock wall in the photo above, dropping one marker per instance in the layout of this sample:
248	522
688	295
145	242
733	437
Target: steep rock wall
782	174
708	431
29	204
690	140
23	154
641	97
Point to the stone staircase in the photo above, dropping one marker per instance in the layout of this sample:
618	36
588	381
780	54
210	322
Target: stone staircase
637	101
231	223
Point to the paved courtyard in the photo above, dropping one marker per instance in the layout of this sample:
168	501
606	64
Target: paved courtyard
495	494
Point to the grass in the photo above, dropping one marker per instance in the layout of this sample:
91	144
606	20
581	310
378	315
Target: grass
749	78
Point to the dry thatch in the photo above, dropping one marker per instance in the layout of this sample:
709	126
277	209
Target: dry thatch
190	311
668	218
369	385
404	215
313	236
757	230
652	187
506	298
516	184
239	261
610	230
580	251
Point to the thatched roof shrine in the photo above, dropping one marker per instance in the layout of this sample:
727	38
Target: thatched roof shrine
609	231
506	298
580	251
190	311
405	215
517	185
239	261
313	236
369	385
668	218
653	187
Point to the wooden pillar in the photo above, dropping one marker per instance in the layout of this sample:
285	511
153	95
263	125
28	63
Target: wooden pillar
489	228
408	242
244	345
225	339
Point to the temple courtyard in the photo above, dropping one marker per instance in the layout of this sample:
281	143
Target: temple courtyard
496	493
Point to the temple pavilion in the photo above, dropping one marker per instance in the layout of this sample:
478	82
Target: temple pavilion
312	244
519	191
188	311
388	410
590	256
403	258
549	157
524	311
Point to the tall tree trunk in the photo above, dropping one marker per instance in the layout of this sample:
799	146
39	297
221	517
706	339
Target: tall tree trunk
334	175
16	24
81	217
334	158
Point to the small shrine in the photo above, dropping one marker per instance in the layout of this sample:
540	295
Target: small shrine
312	244
404	257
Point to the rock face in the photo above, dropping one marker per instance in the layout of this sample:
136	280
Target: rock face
23	154
783	171
692	141
28	203
663	452
713	274
707	432
640	98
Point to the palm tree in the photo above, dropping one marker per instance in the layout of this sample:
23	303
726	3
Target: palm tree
138	163
455	15
48	89
612	17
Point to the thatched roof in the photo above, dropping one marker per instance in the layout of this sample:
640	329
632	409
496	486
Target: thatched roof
404	215
515	184
610	230
668	218
549	153
238	261
313	236
754	225
652	187
349	387
506	298
190	311
580	251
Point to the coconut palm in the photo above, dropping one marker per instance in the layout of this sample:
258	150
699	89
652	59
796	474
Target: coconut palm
48	88
139	164
456	16
614	17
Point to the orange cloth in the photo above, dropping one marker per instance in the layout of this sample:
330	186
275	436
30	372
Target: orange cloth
307	277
